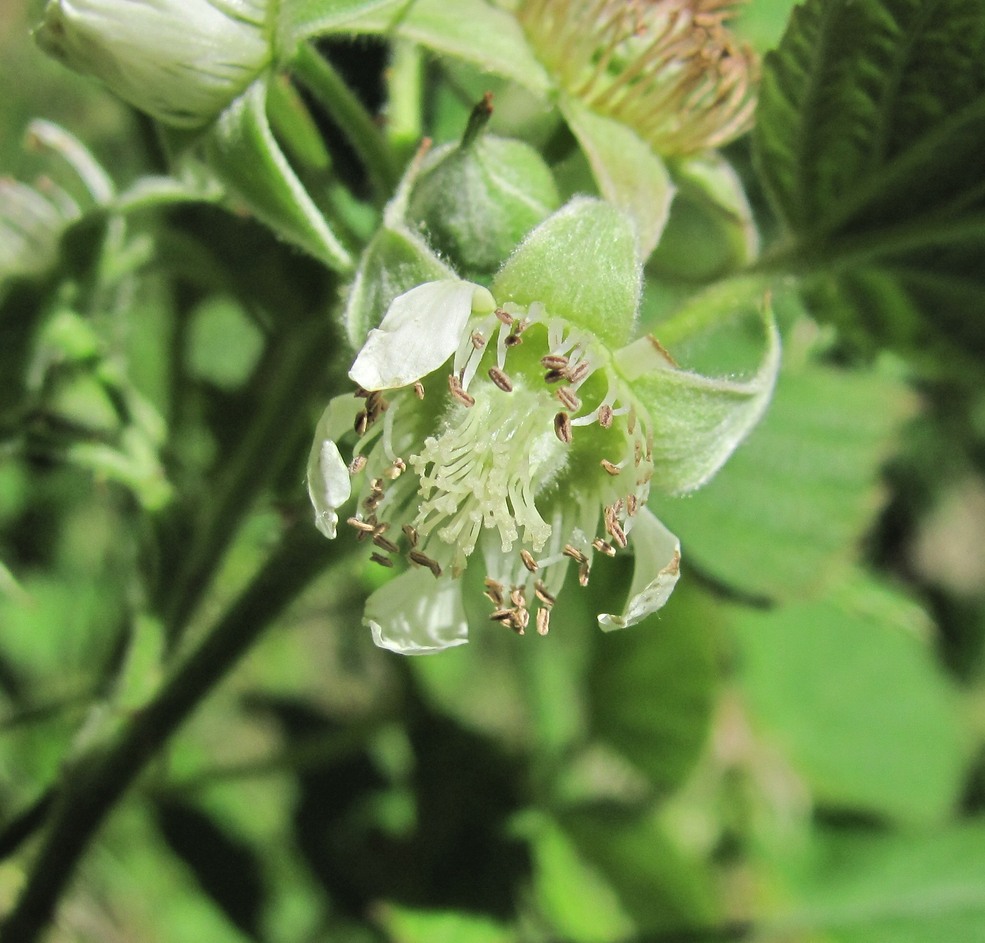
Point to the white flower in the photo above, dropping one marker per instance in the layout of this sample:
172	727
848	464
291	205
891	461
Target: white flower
502	430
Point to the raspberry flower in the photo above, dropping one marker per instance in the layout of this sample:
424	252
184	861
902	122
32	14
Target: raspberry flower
517	431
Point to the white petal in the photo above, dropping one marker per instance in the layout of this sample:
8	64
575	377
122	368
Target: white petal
420	331
415	614
329	483
658	552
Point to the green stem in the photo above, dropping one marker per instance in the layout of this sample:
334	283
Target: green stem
405	95
93	789
348	112
270	441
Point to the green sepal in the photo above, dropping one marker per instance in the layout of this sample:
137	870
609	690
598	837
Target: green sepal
628	173
582	264
698	421
242	151
298	20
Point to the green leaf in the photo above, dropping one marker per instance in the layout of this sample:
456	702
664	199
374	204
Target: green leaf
786	513
869	138
404	925
849	689
697	421
910	888
628	173
245	155
652	688
582	264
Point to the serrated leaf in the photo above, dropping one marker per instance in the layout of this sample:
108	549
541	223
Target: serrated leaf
628	173
918	888
786	513
849	689
245	155
870	131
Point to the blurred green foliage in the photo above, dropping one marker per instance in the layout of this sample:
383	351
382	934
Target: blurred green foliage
791	751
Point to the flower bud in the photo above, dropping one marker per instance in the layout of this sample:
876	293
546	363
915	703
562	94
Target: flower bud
181	61
477	199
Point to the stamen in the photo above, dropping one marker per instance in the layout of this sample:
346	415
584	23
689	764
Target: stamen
357	464
605	415
424	560
554	361
455	388
528	561
501	379
543	621
502	615
554	376
381	560
504	316
411	534
517	598
494	591
419	390
567	396
583	572
574	553
562	427
577	374
385	543
610	467
478	341
604	546
545	598
362	526
362	423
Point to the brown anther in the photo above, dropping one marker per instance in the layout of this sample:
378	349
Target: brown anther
376	485
521	619
604	546
554	376
357	464
610	467
545	598
504	316
583	572
362	423
362	526
517	597
514	339
562	427
381	560
455	388
373	501
554	361
423	559
567	397
632	504
384	543
631	421
478	341
528	561
605	416
614	529
411	534
501	379
543	621
574	553
577	374
501	615
494	591
419	390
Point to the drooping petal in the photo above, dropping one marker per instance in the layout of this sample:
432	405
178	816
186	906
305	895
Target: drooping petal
329	483
415	614
420	331
657	567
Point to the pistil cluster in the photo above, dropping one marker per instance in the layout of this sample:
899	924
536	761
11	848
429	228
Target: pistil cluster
524	445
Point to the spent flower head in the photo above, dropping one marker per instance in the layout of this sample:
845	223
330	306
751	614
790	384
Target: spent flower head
507	429
669	69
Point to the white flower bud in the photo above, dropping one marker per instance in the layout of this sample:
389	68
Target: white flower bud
181	61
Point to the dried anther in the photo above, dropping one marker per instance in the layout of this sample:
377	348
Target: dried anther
562	427
422	559
501	379
611	468
455	388
381	560
528	561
